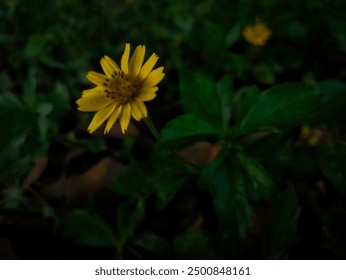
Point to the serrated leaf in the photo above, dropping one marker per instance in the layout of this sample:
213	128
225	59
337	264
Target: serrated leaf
164	178
13	165
201	97
185	130
225	95
279	108
230	192
279	234
87	228
263	186
244	100
280	158
129	215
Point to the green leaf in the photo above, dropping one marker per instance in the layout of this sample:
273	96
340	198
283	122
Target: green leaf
202	98
211	36
333	97
91	144
129	215
5	81
185	130
50	61
15	122
281	159
231	190
225	95
279	108
263	186
13	164
13	198
9	100
44	108
153	243
333	163
264	73
279	233
233	35
244	99
87	228
163	178
338	29
194	244
29	89
35	45
61	100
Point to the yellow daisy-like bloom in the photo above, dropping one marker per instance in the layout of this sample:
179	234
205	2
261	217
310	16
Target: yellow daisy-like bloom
257	34
312	136
121	92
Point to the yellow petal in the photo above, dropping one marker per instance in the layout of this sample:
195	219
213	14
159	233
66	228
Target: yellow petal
106	67
147	67
125	117
113	118
153	78
136	61
139	110
94	103
125	59
97	78
93	91
100	117
114	67
147	94
136	114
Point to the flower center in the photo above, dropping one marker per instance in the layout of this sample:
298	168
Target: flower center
121	88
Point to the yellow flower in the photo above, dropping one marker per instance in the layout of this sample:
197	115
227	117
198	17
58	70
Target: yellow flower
257	34
121	92
311	136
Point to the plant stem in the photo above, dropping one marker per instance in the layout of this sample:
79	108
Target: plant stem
152	128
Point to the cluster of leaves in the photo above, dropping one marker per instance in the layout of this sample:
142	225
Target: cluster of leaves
256	185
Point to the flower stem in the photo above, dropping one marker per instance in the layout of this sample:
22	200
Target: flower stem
152	128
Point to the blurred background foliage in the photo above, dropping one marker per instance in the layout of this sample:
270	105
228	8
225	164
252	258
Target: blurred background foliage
251	161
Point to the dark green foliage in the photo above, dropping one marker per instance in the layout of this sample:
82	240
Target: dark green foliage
159	177
194	244
280	231
333	163
152	243
88	229
231	176
280	108
205	100
185	130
